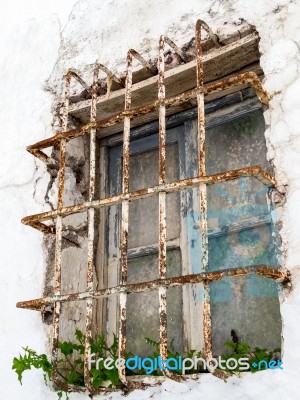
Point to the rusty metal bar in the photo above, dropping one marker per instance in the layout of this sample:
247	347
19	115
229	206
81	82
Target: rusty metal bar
124	217
74	74
58	230
42	227
202	190
278	274
91	233
49	161
59	221
212	35
256	172
110	74
177	49
144	62
162	292
247	78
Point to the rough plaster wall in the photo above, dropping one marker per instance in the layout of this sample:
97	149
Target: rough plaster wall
29	42
104	31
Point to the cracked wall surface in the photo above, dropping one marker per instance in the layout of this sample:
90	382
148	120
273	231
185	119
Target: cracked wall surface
29	41
37	50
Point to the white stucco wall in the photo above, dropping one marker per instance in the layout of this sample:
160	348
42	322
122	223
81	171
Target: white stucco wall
39	42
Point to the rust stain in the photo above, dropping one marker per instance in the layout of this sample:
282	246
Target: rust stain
279	275
91	233
162	256
247	78
255	171
203	189
122	334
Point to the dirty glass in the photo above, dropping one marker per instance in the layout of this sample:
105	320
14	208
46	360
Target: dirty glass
143	238
240	235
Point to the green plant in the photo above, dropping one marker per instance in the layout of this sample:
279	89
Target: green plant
254	355
32	359
172	353
70	365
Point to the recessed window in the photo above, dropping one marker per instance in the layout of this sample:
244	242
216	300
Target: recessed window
178	244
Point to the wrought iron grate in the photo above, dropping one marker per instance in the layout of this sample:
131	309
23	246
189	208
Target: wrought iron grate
201	181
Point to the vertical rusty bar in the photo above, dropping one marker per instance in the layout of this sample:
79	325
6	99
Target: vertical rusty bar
59	226
91	233
124	216
202	189
162	203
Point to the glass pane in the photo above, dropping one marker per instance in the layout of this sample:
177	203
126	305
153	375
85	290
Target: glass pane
174	319
143	308
143	321
144	268
144	212
239	223
240	235
237	144
107	251
249	306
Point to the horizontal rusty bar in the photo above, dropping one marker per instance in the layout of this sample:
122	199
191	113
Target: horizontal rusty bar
256	172
133	382
278	274
249	78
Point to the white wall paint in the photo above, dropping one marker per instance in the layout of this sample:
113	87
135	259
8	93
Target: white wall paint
29	42
34	47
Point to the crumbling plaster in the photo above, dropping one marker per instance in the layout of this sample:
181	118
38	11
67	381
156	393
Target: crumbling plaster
31	80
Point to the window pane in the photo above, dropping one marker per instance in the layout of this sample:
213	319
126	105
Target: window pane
143	308
143	213
237	144
240	234
240	225
249	306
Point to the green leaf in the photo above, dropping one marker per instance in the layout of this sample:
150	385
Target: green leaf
113	376
20	365
80	336
97	382
66	348
31	359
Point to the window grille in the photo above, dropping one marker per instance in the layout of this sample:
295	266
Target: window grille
122	289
